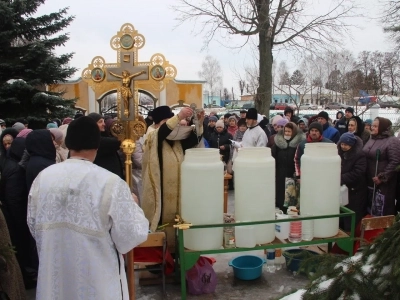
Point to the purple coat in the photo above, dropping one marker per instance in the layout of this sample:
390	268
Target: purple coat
389	159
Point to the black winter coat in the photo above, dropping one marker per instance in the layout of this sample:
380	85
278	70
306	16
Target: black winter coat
207	132
14	197
3	152
221	139
283	151
341	125
107	155
42	151
354	168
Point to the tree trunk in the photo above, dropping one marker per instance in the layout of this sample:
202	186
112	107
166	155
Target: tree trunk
264	91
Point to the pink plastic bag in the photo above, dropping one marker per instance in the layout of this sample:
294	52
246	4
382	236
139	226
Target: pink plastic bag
201	278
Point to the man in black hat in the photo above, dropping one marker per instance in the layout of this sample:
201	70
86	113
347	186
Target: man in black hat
161	162
329	131
107	155
342	124
79	213
314	136
254	136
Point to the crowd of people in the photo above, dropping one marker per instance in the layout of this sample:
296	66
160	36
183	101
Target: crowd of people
358	143
65	182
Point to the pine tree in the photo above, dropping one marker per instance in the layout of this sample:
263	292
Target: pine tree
297	78
370	275
28	63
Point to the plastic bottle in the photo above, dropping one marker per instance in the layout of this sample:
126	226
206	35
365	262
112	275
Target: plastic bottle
279	259
295	226
271	260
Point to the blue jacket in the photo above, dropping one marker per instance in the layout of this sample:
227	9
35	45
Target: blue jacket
331	133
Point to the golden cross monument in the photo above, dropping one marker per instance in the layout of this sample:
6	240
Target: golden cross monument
128	73
129	126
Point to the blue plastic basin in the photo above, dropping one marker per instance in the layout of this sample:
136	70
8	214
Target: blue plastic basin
294	258
247	267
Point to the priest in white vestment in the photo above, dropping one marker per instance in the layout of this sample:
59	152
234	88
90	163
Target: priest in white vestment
83	219
162	158
254	136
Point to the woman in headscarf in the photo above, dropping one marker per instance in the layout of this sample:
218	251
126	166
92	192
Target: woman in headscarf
339	115
58	139
356	126
354	166
279	125
385	176
40	146
6	138
232	125
283	150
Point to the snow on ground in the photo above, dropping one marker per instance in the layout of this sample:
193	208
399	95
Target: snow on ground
295	296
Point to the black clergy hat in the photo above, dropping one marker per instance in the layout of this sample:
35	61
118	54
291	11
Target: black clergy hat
161	113
83	134
252	114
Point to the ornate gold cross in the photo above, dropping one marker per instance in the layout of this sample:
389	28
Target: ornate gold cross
127	73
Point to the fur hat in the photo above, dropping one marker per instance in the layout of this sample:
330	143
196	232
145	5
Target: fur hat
18	126
317	126
95	116
83	134
251	114
323	114
220	123
161	113
348	139
282	122
350	110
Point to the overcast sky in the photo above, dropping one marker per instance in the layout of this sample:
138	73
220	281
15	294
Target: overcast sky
97	21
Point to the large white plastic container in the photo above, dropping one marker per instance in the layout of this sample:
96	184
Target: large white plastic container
202	197
255	190
245	236
282	229
320	186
